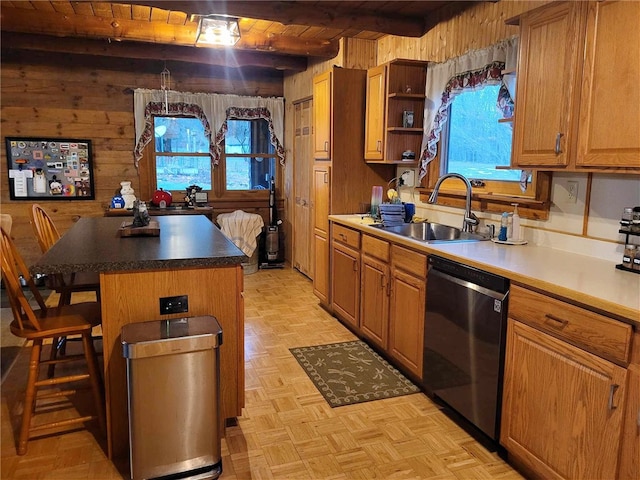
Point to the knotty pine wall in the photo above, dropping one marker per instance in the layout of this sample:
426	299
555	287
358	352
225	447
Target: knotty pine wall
76	97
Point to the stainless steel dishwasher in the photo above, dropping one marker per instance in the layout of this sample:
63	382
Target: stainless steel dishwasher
464	332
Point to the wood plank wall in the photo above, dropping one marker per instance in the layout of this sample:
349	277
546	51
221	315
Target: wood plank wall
480	26
72	96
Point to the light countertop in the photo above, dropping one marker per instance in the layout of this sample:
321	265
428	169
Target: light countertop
580	279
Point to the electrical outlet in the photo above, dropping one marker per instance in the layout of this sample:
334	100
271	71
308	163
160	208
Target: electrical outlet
572	189
178	304
408	178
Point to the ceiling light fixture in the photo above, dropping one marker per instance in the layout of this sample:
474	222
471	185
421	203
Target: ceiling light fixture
218	30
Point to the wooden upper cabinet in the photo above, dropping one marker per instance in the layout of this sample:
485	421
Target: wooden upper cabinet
375	113
576	94
547	70
609	129
395	96
322	116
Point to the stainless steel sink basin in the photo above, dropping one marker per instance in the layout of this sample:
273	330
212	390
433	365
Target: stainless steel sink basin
433	232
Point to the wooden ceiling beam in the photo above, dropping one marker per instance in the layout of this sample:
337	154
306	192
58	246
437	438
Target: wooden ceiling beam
119	29
299	13
150	51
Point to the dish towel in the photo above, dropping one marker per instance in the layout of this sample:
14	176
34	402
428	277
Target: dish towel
241	228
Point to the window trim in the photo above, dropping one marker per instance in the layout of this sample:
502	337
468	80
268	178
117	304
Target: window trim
148	181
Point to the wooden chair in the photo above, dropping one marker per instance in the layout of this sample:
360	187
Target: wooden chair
49	323
47	235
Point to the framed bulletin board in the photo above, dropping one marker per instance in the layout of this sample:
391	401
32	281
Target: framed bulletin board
50	168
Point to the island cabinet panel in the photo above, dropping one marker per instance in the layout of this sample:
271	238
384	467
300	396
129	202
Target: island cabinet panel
562	406
210	291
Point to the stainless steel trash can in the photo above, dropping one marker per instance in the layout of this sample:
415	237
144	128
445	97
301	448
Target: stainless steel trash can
173	397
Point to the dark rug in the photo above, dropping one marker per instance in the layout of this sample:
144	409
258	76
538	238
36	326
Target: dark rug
351	372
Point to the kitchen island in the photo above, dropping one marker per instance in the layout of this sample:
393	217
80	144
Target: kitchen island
191	258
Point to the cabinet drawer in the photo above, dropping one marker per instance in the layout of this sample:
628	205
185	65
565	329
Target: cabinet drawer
409	261
346	236
374	247
594	332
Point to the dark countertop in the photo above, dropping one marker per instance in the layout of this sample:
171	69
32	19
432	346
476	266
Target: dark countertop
93	244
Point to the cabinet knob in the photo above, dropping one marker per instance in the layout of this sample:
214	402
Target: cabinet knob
379	146
326	146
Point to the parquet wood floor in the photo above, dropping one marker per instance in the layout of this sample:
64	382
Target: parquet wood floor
287	430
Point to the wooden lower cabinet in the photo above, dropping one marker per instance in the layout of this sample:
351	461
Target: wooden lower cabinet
345	287
374	296
562	406
630	449
321	267
406	319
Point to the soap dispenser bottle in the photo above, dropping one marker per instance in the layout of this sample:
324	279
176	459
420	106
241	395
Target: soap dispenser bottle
515	228
504	221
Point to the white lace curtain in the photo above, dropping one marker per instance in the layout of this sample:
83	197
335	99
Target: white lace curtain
212	109
445	80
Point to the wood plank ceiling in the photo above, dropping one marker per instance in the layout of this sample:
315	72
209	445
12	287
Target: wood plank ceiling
274	35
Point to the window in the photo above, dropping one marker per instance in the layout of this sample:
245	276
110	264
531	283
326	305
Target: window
181	153
476	138
250	159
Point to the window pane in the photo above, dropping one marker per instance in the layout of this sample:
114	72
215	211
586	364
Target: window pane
477	143
249	173
248	136
180	135
178	172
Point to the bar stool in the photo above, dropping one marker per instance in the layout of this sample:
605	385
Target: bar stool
49	323
47	235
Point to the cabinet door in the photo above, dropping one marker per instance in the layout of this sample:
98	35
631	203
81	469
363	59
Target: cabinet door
374	310
609	135
321	267
321	193
375	117
322	116
321	197
630	450
562	406
546	92
345	273
406	320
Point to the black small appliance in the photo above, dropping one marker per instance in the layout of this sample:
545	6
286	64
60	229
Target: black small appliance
272	253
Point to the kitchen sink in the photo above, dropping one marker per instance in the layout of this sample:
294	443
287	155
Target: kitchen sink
433	232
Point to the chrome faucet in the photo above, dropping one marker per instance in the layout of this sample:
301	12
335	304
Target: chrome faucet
470	220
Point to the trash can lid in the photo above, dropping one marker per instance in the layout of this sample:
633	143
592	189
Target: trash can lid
188	333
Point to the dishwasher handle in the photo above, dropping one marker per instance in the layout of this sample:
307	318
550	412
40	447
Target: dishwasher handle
433	272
